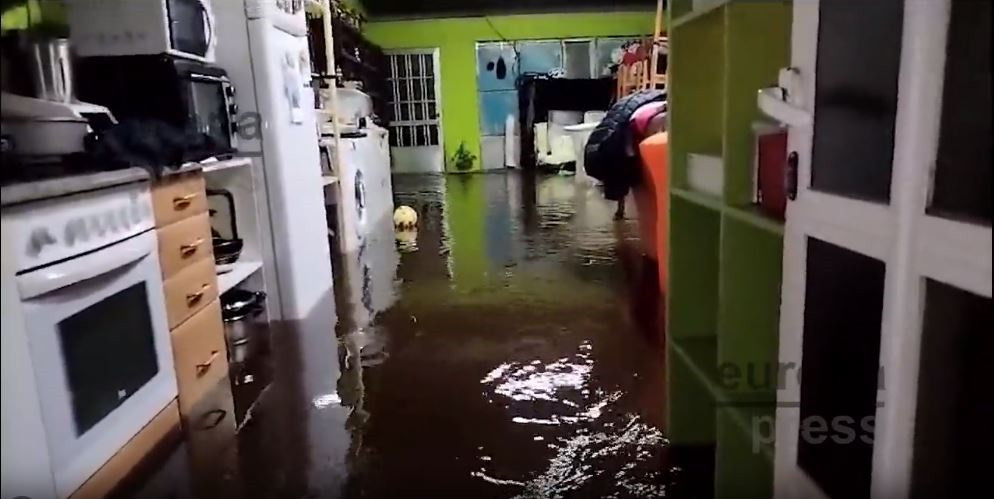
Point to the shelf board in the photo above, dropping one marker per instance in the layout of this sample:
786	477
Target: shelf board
747	214
700	354
698	198
240	271
226	164
753	216
709	7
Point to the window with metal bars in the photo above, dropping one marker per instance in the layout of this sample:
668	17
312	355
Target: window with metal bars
413	104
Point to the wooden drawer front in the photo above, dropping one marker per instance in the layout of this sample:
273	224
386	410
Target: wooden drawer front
200	355
178	196
190	290
210	427
183	243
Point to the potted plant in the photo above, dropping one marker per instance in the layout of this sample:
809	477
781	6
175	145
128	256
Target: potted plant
462	159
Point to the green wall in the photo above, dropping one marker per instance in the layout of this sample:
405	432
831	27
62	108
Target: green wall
15	15
456	40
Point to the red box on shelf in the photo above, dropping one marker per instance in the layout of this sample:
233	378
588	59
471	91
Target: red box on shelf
770	165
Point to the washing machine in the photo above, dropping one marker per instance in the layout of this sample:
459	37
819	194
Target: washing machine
350	200
373	156
365	190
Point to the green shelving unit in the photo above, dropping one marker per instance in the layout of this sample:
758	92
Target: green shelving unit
723	295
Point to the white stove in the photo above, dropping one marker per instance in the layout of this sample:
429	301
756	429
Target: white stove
91	313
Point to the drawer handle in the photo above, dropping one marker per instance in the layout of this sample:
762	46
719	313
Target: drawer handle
181	202
193	298
204	366
218	416
191	248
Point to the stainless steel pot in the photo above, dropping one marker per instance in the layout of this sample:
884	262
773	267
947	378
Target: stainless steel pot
51	69
238	308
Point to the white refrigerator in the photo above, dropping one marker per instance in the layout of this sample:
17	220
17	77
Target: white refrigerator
264	49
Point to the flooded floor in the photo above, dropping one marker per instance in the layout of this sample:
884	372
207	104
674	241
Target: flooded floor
510	348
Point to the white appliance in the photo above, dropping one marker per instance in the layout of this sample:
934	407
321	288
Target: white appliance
366	190
351	199
91	310
374	153
263	46
183	28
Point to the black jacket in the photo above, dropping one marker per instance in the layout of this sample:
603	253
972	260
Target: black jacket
610	155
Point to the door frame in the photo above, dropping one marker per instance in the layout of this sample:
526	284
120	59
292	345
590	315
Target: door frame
435	53
912	244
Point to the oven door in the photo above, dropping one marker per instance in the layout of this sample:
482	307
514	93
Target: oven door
212	108
100	349
191	26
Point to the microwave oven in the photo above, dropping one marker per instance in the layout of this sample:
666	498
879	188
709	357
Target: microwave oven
190	95
182	28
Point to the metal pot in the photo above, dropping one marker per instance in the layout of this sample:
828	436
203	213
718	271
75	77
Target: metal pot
51	69
226	250
238	308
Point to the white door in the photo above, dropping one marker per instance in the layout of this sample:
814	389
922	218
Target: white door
887	250
415	111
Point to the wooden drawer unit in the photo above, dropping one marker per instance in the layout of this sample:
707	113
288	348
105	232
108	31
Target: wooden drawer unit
200	356
179	196
184	243
189	291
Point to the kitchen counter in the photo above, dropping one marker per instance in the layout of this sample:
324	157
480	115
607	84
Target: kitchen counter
22	192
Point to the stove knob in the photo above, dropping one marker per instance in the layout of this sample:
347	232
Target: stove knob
76	231
97	226
69	234
110	221
123	218
136	213
40	237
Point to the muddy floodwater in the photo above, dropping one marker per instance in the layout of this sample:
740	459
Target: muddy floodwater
511	347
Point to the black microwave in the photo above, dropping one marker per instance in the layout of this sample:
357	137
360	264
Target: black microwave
188	94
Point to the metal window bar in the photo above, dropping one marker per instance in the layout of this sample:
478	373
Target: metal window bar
395	104
424	105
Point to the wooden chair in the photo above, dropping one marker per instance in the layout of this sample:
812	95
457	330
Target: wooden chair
645	73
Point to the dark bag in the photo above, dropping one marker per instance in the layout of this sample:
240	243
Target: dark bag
150	144
609	155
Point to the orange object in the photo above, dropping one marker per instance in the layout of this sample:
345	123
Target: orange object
653	194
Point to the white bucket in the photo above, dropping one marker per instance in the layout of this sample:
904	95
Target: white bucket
580	134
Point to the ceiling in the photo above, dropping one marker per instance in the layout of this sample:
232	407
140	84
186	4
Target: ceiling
457	8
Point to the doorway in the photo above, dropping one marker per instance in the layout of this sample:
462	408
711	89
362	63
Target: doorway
415	112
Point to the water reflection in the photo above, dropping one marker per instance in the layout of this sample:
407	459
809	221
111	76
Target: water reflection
512	363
